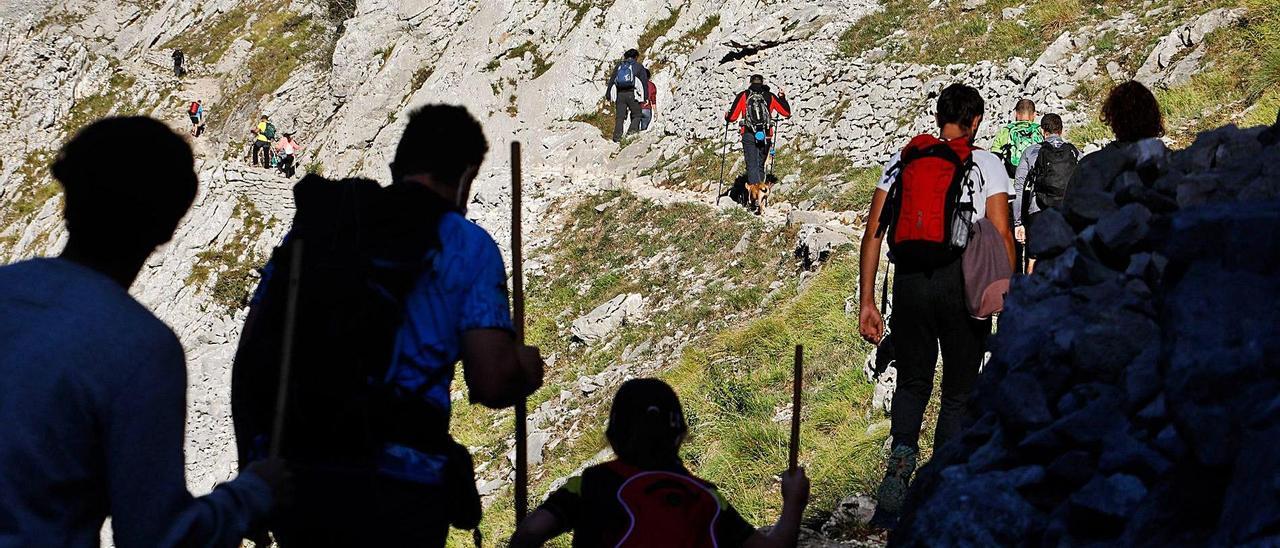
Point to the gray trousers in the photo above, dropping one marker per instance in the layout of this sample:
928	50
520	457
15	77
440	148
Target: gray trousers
625	104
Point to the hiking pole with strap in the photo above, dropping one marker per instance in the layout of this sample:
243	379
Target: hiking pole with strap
794	461
517	305
286	347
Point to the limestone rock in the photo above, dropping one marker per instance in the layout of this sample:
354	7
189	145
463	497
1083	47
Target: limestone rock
607	318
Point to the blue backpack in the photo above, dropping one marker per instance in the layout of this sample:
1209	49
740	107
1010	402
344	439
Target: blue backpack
625	77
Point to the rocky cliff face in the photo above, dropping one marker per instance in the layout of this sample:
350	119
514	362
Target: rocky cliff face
343	73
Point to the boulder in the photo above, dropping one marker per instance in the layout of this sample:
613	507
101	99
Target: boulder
607	318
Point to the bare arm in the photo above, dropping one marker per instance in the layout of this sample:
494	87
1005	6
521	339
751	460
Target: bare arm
998	213
870	323
795	496
536	529
498	371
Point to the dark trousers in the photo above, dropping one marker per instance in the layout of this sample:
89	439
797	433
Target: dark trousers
347	510
626	105
755	152
928	311
265	147
286	166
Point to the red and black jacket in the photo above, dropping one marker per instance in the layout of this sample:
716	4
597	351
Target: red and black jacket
737	109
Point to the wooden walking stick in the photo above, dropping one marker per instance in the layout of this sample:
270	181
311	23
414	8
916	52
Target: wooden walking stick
286	347
517	305
795	408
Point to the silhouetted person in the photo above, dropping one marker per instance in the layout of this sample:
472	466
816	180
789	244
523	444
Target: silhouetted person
92	385
396	286
1133	114
178	57
646	496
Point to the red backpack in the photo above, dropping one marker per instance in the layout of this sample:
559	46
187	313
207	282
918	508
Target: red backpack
922	214
193	109
666	509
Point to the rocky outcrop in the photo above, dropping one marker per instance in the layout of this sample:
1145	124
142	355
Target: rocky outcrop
1146	412
1177	57
607	318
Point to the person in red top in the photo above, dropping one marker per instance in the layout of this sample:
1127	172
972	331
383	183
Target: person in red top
753	109
650	101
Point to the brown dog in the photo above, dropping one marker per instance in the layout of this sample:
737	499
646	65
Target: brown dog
758	196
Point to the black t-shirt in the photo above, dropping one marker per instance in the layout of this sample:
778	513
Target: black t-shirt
589	506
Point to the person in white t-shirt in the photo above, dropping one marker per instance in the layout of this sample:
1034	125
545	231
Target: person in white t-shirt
929	303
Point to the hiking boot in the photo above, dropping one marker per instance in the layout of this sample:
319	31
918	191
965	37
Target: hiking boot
900	465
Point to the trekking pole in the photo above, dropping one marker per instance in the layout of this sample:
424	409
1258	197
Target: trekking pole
517	305
724	146
286	347
794	461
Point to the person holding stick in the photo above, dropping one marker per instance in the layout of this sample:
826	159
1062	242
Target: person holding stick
646	496
424	288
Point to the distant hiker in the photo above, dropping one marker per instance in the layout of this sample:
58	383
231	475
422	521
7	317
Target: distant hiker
1013	139
646	496
177	63
650	102
196	112
264	132
286	150
753	109
630	79
396	286
931	194
1043	175
1133	114
93	387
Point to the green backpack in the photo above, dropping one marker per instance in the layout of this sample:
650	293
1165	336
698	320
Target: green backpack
1021	136
270	132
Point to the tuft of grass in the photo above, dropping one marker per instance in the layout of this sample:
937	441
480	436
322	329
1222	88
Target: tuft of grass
33	190
420	77
316	167
601	118
540	64
651	33
113	98
234	265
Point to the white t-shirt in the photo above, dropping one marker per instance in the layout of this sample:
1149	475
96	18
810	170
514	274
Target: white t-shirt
988	179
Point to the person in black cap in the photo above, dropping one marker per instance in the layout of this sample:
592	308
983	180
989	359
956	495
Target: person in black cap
631	80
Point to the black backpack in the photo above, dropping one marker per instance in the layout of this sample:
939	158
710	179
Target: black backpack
364	248
757	114
1048	178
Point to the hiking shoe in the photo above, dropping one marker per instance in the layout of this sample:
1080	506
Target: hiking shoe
900	465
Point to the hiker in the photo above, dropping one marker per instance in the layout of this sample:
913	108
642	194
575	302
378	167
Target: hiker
396	286
753	109
1043	174
177	63
646	496
650	101
264	132
1013	139
92	385
630	79
929	307
196	112
287	149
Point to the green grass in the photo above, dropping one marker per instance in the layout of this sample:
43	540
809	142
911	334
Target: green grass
601	118
233	265
33	190
540	64
112	99
735	384
601	255
208	43
282	41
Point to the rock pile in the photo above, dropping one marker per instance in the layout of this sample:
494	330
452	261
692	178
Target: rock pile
1133	396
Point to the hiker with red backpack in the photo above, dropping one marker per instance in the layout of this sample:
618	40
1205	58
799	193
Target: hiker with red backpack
929	205
1043	175
195	111
754	110
395	287
645	496
630	80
